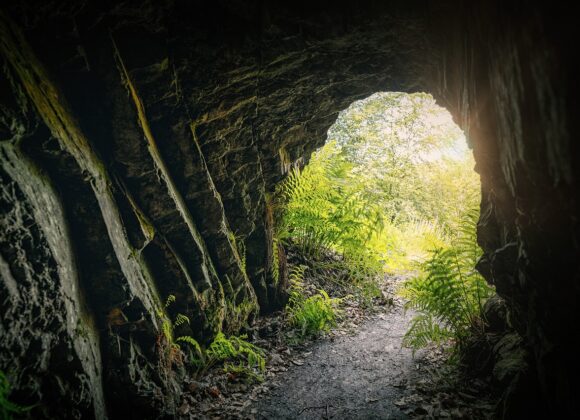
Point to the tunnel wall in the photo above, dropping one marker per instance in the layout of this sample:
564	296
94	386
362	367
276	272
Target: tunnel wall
139	142
506	72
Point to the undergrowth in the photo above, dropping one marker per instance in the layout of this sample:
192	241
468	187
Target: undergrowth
238	356
449	294
310	315
320	209
169	345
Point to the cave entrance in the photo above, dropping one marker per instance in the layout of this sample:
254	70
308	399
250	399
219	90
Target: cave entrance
395	175
391	195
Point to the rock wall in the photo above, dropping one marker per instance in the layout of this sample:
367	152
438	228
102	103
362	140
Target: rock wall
506	73
139	142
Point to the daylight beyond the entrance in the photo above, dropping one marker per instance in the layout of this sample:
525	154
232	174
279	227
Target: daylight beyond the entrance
394	191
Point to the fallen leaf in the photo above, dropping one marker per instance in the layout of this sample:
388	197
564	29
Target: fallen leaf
275	359
214	392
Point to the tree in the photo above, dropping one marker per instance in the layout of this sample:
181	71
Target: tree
388	137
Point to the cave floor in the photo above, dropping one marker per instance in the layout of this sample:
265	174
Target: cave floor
360	370
359	376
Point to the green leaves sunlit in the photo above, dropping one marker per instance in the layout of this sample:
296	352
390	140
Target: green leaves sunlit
395	164
394	189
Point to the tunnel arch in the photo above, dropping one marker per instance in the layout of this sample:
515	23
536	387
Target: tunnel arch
151	135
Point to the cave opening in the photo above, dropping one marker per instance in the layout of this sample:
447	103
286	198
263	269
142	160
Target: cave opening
393	183
392	196
140	153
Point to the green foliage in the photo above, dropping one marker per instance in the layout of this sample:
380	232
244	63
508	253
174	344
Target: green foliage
387	187
7	407
425	329
198	355
325	209
249	358
391	139
446	189
236	348
449	295
180	319
241	370
168	344
314	314
310	315
169	301
404	246
238	356
273	207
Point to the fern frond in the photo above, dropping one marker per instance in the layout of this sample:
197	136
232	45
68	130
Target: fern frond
181	319
450	295
425	329
192	342
170	300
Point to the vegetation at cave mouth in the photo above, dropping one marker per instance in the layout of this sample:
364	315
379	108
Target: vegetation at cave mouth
393	190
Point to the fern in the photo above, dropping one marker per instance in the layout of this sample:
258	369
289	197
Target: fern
180	319
169	345
296	274
241	370
238	349
309	315
323	210
169	301
425	329
197	359
450	294
254	355
314	314
249	357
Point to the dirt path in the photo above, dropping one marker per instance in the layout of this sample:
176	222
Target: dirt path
351	377
359	371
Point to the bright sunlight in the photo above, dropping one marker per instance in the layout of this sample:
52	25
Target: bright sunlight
393	191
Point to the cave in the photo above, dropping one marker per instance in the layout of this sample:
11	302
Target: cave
140	142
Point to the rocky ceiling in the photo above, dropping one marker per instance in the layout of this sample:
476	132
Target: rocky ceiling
139	142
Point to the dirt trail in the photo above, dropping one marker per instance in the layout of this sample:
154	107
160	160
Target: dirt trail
351	377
